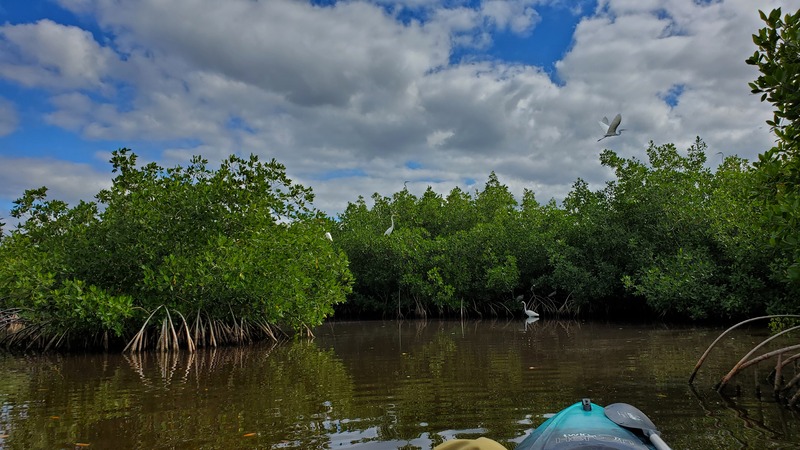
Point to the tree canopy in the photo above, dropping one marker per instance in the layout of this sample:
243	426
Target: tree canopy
667	237
778	60
213	255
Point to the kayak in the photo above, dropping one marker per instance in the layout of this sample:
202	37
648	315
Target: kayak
583	425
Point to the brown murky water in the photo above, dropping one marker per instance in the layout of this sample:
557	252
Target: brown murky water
389	385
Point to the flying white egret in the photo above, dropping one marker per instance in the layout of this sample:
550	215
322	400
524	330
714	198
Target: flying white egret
390	229
611	128
328	236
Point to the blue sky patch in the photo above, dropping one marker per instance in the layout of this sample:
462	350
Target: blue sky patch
238	123
341	173
673	95
547	43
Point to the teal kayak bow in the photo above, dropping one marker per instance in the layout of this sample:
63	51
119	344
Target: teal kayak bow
586	425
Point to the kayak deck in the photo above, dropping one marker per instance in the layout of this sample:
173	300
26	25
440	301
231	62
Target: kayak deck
583	425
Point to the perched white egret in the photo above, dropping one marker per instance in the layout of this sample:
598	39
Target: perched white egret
611	128
529	313
390	229
328	236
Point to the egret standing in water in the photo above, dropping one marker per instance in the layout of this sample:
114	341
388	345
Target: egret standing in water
611	128
528	312
390	229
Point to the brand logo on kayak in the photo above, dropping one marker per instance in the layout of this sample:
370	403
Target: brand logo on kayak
588	437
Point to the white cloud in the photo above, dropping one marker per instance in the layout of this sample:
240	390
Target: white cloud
66	181
50	55
518	16
311	56
353	88
637	51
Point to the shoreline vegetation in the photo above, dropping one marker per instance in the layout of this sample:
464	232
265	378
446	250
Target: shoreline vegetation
174	258
192	257
187	257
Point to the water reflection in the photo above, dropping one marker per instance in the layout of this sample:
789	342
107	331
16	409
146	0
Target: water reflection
384	385
529	321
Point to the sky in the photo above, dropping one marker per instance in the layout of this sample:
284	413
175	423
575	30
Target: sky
358	97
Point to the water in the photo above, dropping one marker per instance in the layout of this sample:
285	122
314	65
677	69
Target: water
389	385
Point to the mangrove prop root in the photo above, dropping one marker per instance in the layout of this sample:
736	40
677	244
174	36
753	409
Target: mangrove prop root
173	333
135	344
794	399
790	359
753	361
189	342
168	334
708	350
743	363
792	382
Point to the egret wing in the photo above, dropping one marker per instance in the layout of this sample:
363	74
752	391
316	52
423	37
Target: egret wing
612	129
604	124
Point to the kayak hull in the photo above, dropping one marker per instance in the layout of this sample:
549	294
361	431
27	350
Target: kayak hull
583	425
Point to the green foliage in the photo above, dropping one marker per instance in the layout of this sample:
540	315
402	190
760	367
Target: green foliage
694	246
235	245
85	309
683	283
665	237
34	288
778	60
668	237
503	276
586	257
443	256
779	324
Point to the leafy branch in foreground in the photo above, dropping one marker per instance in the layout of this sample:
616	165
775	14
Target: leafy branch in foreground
778	60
